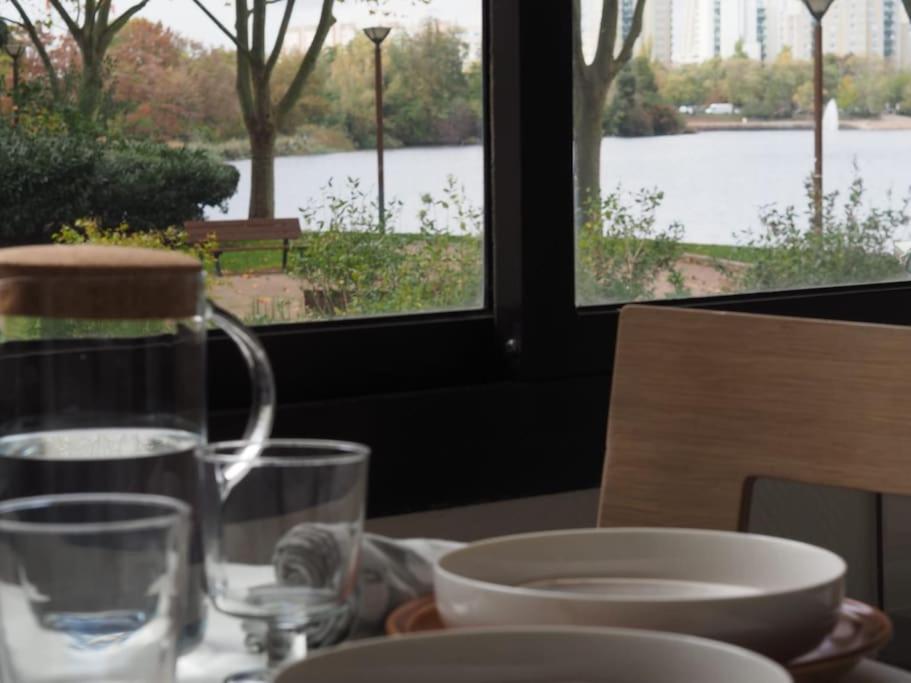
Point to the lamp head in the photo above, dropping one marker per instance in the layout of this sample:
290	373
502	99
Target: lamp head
377	33
818	8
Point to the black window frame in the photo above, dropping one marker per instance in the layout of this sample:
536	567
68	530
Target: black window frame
530	333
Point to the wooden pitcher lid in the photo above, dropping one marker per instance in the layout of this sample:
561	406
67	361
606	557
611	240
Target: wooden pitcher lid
98	282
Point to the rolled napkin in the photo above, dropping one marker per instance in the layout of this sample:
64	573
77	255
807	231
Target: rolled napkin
391	571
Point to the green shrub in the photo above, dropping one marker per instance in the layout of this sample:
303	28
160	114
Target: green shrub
622	254
50	180
637	108
153	186
87	231
854	246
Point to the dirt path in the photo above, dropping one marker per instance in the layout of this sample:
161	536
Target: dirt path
700	276
276	297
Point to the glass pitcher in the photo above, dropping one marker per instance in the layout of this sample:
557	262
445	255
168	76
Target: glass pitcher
103	378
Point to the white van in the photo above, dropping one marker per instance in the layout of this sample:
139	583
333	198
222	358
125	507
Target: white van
720	108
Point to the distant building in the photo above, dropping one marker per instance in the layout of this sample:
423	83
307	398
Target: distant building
694	31
742	23
702	29
867	28
298	38
657	35
901	39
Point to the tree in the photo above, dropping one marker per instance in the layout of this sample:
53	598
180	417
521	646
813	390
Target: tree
351	91
150	81
427	97
591	83
93	36
263	113
637	107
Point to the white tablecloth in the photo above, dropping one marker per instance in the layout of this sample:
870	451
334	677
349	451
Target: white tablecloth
222	653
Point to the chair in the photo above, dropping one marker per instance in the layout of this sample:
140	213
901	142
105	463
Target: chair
703	403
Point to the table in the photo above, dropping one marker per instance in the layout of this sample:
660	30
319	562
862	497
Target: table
874	672
222	653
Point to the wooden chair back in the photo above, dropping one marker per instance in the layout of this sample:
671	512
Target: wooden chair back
703	403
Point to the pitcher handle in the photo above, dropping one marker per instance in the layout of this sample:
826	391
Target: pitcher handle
262	382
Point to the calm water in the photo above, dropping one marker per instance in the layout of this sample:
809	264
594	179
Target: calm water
714	183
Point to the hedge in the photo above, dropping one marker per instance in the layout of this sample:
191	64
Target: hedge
49	181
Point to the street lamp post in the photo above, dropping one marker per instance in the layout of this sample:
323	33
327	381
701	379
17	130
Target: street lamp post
15	50
378	34
817	8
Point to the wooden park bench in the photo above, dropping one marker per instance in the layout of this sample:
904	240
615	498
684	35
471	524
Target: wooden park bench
251	230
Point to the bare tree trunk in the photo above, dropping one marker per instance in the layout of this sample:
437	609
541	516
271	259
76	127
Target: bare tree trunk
263	116
262	172
91	86
591	83
588	135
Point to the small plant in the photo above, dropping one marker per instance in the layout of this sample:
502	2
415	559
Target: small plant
622	253
270	311
855	244
355	264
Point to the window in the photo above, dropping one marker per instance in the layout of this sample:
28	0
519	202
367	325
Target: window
370	141
695	175
480	403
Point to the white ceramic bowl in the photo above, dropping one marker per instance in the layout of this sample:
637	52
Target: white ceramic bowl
536	655
771	595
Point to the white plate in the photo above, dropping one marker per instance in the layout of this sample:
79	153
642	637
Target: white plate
772	595
536	655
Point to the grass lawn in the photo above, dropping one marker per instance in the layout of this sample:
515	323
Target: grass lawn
270	257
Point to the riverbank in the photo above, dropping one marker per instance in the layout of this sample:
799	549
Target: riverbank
698	124
305	141
313	140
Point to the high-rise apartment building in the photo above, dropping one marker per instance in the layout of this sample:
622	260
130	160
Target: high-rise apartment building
713	28
658	30
694	31
702	29
741	22
867	28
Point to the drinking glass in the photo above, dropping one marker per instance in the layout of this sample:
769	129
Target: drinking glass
91	587
282	522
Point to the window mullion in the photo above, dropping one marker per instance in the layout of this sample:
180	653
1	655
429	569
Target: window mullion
532	183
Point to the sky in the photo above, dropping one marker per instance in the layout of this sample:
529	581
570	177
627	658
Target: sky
187	19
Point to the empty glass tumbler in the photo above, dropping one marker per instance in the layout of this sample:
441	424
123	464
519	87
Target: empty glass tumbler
282	537
91	587
103	377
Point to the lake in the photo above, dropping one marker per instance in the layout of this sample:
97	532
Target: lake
714	183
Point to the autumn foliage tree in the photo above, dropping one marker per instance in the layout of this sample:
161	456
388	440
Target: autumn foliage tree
92	25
